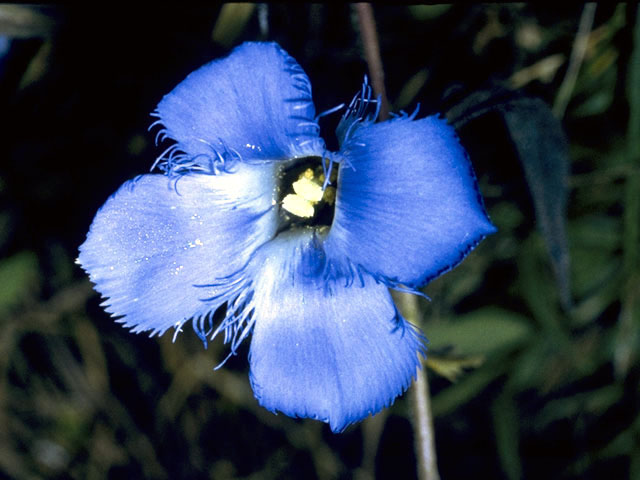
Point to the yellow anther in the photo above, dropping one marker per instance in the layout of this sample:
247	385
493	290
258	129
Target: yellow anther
308	189
329	195
298	206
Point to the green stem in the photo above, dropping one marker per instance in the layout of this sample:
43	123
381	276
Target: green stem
422	418
424	438
371	46
632	195
575	62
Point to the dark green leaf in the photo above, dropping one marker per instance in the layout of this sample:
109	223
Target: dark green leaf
483	331
542	148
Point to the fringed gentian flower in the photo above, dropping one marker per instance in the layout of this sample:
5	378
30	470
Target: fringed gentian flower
253	217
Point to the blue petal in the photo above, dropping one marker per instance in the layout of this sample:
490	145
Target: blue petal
155	240
408	207
254	104
322	350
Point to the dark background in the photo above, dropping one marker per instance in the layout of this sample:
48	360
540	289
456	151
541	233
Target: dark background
534	338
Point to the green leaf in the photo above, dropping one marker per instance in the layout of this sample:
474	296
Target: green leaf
594	402
483	331
632	187
467	388
231	22
507	215
411	89
505	425
591	270
452	367
596	232
597	104
19	277
428	12
526	368
542	148
537	288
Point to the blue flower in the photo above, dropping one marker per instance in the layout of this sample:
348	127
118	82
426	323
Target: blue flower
220	230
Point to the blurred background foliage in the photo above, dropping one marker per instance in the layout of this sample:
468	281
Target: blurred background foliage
534	338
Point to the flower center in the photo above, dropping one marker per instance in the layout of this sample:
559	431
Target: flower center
302	198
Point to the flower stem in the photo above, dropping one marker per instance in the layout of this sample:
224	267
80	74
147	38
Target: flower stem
422	418
577	57
424	440
371	46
